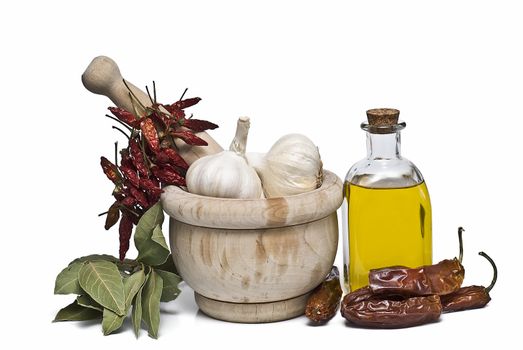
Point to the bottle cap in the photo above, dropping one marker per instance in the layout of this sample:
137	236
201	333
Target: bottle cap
383	116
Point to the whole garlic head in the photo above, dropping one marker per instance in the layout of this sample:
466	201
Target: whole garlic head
226	174
292	166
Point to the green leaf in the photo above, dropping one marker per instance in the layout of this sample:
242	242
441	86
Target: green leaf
67	280
159	238
136	315
111	321
152	293
170	289
94	257
87	301
132	285
149	239
102	281
75	312
168	265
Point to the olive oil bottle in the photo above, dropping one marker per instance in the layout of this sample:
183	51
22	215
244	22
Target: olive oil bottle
387	217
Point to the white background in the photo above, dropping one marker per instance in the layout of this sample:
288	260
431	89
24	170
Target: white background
453	68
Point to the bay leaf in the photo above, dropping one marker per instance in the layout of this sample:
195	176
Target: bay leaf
136	315
67	280
132	285
168	265
102	281
111	321
170	290
94	257
75	312
87	301
152	293
152	217
150	251
159	238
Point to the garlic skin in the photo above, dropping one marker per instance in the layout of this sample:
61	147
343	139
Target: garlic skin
292	166
226	174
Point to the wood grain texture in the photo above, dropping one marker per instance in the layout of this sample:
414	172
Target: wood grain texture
252	313
254	213
253	266
249	256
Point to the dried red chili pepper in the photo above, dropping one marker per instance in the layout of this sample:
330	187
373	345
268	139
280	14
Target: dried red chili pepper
110	170
198	125
130	175
139	196
125	116
137	157
113	215
325	299
125	230
471	297
129	201
150	134
366	309
170	156
168	176
189	138
182	104
442	278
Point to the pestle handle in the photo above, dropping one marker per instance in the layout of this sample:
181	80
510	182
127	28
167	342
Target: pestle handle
103	77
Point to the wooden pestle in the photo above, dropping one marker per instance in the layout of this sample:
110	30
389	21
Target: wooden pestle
103	77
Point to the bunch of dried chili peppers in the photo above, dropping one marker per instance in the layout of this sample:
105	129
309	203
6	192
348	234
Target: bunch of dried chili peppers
398	296
150	161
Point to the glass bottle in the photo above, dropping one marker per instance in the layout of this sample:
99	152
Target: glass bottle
387	217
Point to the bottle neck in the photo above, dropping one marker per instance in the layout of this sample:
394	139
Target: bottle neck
384	146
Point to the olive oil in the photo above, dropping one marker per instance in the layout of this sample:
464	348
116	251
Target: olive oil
386	226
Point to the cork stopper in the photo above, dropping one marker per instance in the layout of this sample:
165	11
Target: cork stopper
379	117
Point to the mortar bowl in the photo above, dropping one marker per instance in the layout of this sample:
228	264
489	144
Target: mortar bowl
254	260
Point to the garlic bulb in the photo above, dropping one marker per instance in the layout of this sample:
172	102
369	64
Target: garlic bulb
292	166
226	174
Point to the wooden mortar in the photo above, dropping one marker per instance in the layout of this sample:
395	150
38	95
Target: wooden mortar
254	260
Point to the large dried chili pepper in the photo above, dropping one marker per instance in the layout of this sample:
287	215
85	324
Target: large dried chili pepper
366	309
471	297
325	299
442	278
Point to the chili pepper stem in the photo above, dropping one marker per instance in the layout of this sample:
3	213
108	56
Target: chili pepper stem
119	121
149	94
154	91
123	132
495	277
184	91
116	153
460	237
133	96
